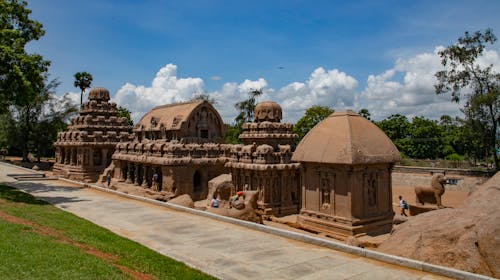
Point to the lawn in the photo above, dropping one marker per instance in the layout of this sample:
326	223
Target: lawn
40	241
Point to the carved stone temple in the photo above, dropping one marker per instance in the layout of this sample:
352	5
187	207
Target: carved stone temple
85	149
181	143
263	162
346	177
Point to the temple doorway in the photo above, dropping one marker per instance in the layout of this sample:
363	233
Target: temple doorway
197	182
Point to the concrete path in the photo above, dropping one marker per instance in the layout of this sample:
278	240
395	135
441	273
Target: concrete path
221	249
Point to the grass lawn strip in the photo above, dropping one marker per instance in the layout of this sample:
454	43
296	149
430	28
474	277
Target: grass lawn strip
61	238
128	259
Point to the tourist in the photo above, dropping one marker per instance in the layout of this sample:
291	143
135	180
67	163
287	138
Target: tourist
403	205
108	179
215	202
236	202
154	181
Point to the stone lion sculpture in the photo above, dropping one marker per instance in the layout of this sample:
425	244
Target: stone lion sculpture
431	194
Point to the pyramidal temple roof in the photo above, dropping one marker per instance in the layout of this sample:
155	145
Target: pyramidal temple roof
346	138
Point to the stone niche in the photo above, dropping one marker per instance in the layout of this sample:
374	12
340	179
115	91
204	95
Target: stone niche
346	177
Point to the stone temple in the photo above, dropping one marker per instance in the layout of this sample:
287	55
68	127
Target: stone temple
346	177
263	162
85	149
338	178
181	143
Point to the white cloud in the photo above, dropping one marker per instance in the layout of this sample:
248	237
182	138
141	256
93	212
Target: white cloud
165	88
331	88
407	88
384	95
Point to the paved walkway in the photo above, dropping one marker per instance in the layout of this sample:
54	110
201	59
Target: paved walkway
221	249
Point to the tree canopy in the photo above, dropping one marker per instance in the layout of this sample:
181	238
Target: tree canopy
464	76
312	116
22	75
245	114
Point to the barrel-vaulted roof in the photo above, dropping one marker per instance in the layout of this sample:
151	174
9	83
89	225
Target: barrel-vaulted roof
171	116
346	138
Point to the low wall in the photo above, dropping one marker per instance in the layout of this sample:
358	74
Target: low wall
466	180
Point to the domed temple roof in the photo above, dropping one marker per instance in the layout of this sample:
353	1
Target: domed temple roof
346	138
267	111
99	93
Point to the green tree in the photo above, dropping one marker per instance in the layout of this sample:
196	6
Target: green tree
83	80
21	74
247	107
245	114
312	116
463	75
397	128
365	114
452	137
425	139
53	119
124	112
232	134
204	96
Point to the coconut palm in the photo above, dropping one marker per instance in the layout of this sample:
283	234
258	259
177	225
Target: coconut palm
83	80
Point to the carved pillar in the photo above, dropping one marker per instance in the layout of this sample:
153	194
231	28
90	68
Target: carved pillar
129	174
73	156
144	176
66	155
136	173
123	172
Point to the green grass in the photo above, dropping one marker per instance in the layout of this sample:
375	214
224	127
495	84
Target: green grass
56	246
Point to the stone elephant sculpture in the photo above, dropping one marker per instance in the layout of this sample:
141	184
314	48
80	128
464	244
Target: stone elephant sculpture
248	212
431	194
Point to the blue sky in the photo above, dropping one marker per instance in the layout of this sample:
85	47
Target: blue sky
301	53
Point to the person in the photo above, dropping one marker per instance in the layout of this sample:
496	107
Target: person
108	179
403	205
154	181
215	202
236	202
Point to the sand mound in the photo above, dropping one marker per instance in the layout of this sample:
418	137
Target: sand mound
465	238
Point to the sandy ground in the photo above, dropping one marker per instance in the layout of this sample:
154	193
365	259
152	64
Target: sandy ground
450	198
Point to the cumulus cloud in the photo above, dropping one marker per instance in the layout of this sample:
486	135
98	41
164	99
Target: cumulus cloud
164	89
331	88
414	95
407	88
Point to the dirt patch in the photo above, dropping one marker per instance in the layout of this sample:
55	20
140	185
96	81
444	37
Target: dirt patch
43	230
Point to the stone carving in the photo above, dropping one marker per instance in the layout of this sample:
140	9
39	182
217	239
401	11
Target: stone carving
431	194
247	212
85	149
222	187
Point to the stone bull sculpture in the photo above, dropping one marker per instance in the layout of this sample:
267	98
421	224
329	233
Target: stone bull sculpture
431	194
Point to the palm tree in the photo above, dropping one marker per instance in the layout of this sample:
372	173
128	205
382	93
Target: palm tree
83	80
